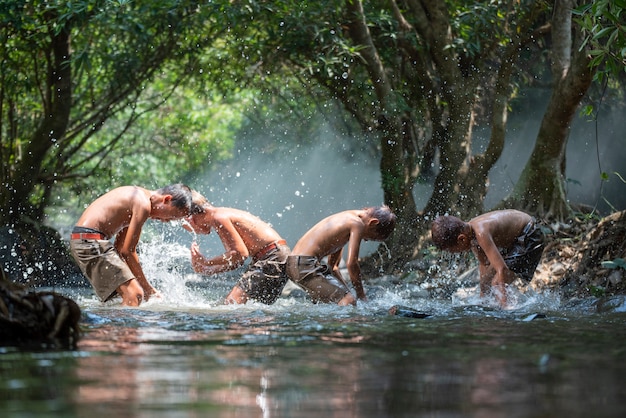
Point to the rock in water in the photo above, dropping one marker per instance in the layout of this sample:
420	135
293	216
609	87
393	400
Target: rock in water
407	312
534	316
29	318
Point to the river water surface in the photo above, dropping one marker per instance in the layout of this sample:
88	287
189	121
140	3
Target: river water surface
187	355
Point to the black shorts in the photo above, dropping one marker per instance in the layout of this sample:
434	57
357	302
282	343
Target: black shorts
524	255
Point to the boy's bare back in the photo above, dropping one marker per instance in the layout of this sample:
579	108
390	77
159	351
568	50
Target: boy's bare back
330	234
503	226
254	232
113	211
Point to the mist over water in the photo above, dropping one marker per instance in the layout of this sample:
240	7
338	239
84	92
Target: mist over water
589	153
293	191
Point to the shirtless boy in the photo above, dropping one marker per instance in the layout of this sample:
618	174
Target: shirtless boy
243	235
115	268
505	242
324	282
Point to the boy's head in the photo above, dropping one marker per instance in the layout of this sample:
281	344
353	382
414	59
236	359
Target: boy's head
180	195
199	203
386	221
445	232
172	202
197	222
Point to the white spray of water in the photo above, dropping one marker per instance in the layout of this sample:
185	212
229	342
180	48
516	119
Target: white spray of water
185	222
167	266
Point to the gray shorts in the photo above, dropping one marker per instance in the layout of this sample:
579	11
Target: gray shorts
316	278
102	265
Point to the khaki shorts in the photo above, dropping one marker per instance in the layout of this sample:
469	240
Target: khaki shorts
102	265
316	278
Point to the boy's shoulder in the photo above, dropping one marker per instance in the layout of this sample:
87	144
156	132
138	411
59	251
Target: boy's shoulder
346	214
127	191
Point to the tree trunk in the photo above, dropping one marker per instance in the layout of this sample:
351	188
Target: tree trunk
474	176
458	91
396	181
57	103
541	186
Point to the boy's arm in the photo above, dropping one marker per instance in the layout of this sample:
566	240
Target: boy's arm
334	260
502	274
352	262
235	255
126	245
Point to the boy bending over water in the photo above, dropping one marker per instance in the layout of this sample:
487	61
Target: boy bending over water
505	242
243	235
115	268
324	282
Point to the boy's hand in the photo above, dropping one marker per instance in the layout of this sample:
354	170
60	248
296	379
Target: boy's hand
197	259
152	293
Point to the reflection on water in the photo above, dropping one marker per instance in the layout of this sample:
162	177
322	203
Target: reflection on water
188	355
296	359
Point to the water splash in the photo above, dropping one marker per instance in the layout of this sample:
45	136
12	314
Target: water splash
185	222
167	266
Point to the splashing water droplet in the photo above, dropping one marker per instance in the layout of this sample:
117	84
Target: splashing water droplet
185	222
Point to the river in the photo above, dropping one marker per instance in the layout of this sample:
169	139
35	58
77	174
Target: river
187	355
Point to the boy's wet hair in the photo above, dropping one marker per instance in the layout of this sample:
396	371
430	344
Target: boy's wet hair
386	220
181	195
198	203
445	230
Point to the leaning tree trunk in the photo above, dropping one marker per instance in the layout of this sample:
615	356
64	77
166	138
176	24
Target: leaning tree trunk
396	180
432	23
541	186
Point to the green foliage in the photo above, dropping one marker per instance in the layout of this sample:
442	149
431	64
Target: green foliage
603	24
75	79
479	24
187	133
597	291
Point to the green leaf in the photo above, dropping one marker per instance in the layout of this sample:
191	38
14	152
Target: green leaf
619	176
597	291
603	32
614	264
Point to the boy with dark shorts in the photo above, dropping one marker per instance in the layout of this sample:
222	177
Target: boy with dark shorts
114	267
324	282
243	235
505	242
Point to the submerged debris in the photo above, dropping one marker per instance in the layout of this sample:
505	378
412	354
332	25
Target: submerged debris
29	318
407	312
